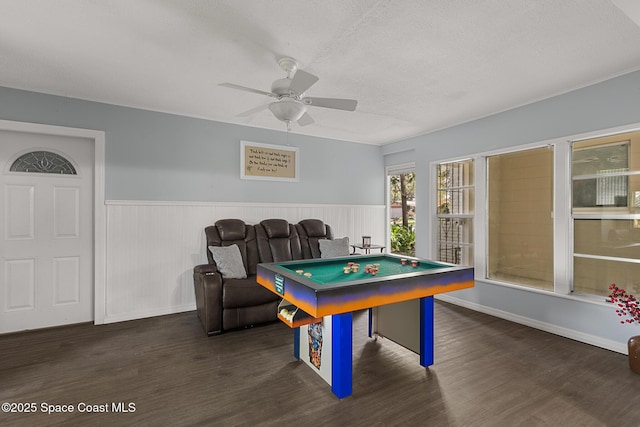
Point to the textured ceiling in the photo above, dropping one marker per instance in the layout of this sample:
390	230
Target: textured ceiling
414	66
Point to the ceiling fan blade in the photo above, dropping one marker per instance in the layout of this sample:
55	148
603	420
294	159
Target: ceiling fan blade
253	111
302	81
244	88
305	120
337	103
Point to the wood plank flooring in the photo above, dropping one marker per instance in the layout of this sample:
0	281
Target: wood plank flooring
487	372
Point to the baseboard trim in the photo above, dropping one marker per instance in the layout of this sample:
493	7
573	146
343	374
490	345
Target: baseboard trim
149	313
537	324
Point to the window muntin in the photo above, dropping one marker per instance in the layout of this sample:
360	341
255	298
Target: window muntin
455	204
520	220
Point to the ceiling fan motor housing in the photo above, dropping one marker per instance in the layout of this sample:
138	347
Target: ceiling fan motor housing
281	87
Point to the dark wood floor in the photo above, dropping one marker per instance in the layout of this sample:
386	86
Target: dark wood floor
488	372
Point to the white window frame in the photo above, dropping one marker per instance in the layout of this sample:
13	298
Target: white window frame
561	211
578	215
433	194
563	233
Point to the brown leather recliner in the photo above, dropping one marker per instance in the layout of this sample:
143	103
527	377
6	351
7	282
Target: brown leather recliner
232	303
278	241
310	231
224	303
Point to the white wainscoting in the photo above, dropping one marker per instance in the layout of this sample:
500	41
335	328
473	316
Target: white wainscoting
152	247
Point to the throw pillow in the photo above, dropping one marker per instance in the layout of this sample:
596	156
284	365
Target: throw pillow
334	248
229	261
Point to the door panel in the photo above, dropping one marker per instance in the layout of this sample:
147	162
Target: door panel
66	212
19	281
19	208
66	274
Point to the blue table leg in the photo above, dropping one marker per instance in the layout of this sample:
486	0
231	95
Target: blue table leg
296	343
341	354
426	331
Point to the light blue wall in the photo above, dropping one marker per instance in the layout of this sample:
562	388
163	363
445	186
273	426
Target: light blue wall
164	157
606	105
600	106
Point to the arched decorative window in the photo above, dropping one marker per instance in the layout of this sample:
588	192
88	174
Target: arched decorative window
43	162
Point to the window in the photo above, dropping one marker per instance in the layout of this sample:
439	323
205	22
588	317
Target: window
43	162
520	220
605	176
563	217
402	203
600	174
455	204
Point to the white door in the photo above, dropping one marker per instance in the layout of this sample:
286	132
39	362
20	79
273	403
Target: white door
46	230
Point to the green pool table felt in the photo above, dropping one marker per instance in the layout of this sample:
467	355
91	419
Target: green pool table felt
329	271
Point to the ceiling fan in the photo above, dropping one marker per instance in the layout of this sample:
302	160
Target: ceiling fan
291	104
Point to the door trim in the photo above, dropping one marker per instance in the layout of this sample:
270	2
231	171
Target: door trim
99	207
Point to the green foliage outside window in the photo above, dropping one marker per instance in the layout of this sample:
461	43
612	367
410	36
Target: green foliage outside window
403	239
403	236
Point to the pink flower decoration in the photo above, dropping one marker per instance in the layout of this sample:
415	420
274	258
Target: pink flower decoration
628	304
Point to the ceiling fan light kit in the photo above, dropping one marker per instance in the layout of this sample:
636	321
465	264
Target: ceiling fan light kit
291	104
287	110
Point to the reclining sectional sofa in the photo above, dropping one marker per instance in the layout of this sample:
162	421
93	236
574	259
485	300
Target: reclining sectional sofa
228	297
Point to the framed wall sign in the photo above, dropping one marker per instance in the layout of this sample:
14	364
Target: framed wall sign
269	162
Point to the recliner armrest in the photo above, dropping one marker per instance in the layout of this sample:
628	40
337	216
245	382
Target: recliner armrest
205	269
208	291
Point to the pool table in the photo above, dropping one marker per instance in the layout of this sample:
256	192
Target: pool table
313	290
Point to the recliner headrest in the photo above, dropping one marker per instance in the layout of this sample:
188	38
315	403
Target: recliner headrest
313	227
231	229
276	228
